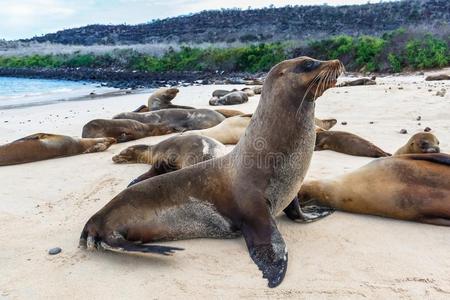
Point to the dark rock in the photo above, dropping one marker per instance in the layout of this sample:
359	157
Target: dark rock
419	118
403	131
54	251
427	129
344	123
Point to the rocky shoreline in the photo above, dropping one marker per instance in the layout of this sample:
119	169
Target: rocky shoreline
125	79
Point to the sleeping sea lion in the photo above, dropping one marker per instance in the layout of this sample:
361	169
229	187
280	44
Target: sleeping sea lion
42	146
124	130
422	142
414	187
347	143
239	193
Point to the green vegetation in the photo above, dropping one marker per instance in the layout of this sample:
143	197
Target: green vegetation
393	52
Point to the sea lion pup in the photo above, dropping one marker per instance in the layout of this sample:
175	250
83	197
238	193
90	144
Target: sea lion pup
257	89
183	119
227	132
422	142
124	130
42	146
326	124
359	81
161	99
239	193
171	154
437	77
248	91
233	98
414	187
347	143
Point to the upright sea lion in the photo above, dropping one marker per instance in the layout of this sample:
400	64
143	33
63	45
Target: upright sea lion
239	193
42	146
187	119
414	187
124	130
227	132
171	154
347	143
162	97
359	81
422	142
326	124
233	98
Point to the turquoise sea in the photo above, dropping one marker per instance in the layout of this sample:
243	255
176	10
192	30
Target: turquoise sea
23	92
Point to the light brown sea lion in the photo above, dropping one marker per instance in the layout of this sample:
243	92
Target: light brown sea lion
227	113
248	91
161	99
414	187
326	124
347	143
233	98
42	146
359	81
227	132
125	130
437	77
171	154
183	119
257	89
422	142
239	193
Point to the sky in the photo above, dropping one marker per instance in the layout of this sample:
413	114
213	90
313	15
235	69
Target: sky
28	18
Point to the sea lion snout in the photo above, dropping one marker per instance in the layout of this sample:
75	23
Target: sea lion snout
433	150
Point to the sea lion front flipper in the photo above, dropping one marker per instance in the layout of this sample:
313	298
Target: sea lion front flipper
267	249
306	213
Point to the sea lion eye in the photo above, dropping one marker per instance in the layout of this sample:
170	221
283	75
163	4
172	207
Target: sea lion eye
306	66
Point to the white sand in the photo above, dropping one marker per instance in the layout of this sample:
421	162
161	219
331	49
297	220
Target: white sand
46	204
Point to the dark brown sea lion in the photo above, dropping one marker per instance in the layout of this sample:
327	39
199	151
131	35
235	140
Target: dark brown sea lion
42	146
183	119
437	77
239	193
359	81
347	143
233	98
422	142
221	93
124	130
414	187
162	97
171	154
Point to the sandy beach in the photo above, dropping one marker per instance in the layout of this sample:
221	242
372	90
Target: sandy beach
46	204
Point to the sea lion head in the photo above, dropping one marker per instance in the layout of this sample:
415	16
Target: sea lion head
304	76
131	154
424	142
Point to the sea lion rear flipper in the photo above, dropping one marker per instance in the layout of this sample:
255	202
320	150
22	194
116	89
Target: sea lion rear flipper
267	249
307	212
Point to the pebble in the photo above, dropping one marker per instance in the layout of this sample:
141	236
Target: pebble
403	131
54	251
427	129
371	122
344	123
419	118
400	88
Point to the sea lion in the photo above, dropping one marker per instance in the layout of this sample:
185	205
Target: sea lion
414	187
326	124
171	154
347	143
161	99
359	81
183	119
227	132
42	146
221	93
422	142
239	193
233	98
124	130
257	89
248	91
227	113
437	77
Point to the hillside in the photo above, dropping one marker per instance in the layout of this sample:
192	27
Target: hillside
264	25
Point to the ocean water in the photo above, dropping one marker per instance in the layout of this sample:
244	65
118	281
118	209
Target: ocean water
23	92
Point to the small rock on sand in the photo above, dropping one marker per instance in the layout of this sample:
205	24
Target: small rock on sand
344	123
419	118
403	131
54	251
427	129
